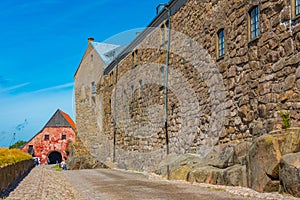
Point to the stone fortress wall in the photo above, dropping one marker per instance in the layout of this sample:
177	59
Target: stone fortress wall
212	100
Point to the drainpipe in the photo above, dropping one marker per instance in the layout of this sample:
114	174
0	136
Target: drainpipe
167	77
115	118
166	84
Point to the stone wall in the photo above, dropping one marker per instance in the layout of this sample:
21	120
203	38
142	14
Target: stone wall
89	112
212	100
11	173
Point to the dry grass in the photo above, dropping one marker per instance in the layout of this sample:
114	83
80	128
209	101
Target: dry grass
11	156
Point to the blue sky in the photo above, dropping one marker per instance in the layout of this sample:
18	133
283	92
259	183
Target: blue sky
42	43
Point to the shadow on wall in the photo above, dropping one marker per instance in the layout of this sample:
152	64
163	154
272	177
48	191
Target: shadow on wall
18	171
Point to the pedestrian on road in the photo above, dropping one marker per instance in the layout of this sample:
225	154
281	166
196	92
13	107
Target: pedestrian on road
63	165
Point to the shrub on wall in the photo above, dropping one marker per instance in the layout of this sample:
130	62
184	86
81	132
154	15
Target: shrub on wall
11	156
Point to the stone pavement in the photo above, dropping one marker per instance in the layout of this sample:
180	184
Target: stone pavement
43	182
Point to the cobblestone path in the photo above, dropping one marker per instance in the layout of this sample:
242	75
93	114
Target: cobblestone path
43	182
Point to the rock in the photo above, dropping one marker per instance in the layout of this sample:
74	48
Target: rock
181	173
206	174
293	59
289	46
235	176
290	173
241	150
257	129
298	73
289	82
263	163
286	96
83	162
232	176
262	111
292	142
221	156
175	162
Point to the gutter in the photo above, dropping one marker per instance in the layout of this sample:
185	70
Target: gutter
174	6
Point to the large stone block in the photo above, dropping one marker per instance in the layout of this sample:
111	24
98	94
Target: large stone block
232	176
290	173
206	174
173	163
241	150
235	176
292	141
221	156
263	163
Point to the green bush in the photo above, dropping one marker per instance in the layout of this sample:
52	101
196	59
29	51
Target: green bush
285	117
11	156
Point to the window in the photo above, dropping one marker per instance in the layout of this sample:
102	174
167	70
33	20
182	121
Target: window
132	92
297	7
221	43
162	71
30	150
93	87
63	137
164	32
135	58
254	22
46	137
141	88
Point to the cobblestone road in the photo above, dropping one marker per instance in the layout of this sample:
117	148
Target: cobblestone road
43	182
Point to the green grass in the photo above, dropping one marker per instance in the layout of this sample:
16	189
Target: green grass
12	156
57	168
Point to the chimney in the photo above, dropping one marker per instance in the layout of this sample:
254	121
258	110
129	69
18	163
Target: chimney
90	40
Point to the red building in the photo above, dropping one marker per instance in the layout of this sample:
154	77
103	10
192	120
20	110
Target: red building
51	143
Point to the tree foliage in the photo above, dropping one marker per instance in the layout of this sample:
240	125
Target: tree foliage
18	145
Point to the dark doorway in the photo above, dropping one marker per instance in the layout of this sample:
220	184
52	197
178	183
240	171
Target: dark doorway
54	157
31	150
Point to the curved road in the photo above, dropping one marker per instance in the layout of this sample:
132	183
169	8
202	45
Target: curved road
44	182
116	185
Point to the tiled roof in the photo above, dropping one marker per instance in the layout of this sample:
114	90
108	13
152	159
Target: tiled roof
60	119
69	119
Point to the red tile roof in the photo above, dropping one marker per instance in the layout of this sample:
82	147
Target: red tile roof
69	119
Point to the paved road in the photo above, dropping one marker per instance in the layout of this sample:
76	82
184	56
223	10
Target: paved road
116	185
44	182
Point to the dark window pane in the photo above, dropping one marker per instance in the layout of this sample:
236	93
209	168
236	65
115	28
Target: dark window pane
297	5
254	23
221	43
46	137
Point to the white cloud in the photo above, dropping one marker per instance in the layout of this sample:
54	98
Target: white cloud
54	88
13	87
36	107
